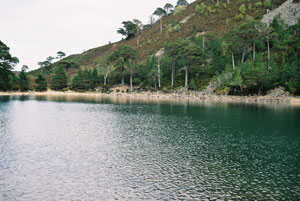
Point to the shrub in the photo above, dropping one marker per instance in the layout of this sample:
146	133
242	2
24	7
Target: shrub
200	8
238	17
65	89
258	4
268	4
224	90
178	10
242	9
211	10
250	6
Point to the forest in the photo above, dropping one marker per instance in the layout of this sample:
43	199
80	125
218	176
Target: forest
250	58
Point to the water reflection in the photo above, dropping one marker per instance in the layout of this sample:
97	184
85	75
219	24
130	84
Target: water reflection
118	99
56	148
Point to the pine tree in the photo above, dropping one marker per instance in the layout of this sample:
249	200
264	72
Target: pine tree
23	81
59	79
41	83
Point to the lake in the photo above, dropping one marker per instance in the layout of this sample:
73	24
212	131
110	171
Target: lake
64	148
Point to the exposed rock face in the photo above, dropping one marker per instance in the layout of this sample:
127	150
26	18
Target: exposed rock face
160	53
184	20
288	11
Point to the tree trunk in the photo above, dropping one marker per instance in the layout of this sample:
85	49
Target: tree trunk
203	43
131	88
244	52
105	77
259	90
138	41
232	56
122	82
186	78
173	74
269	55
160	24
253	50
158	72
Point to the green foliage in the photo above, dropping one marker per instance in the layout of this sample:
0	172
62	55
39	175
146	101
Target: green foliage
23	81
60	54
66	65
121	58
200	8
59	79
129	29
7	62
268	4
258	4
177	27
192	84
160	12
41	83
239	16
290	75
182	3
256	75
224	90
169	28
242	9
250	6
168	8
178	10
211	10
85	80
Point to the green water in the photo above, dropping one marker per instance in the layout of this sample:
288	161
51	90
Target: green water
64	148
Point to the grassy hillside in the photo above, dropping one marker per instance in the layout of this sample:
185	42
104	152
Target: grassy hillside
218	18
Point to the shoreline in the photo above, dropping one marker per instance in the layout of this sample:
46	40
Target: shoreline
159	96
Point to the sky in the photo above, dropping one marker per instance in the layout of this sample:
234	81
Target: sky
36	29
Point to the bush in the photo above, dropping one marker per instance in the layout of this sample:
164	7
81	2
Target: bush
250	6
258	4
178	10
65	89
242	9
238	17
200	8
211	10
224	90
268	4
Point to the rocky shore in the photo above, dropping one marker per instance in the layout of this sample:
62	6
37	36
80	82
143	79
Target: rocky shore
275	96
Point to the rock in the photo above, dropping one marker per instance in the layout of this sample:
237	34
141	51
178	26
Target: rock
184	20
278	93
159	53
289	12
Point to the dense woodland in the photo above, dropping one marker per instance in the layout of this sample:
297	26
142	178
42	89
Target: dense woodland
250	58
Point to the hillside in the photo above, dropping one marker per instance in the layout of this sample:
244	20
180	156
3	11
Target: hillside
236	47
219	20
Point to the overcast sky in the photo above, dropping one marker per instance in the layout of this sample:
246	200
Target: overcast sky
36	29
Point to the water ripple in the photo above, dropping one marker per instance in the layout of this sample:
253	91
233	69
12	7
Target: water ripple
81	151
